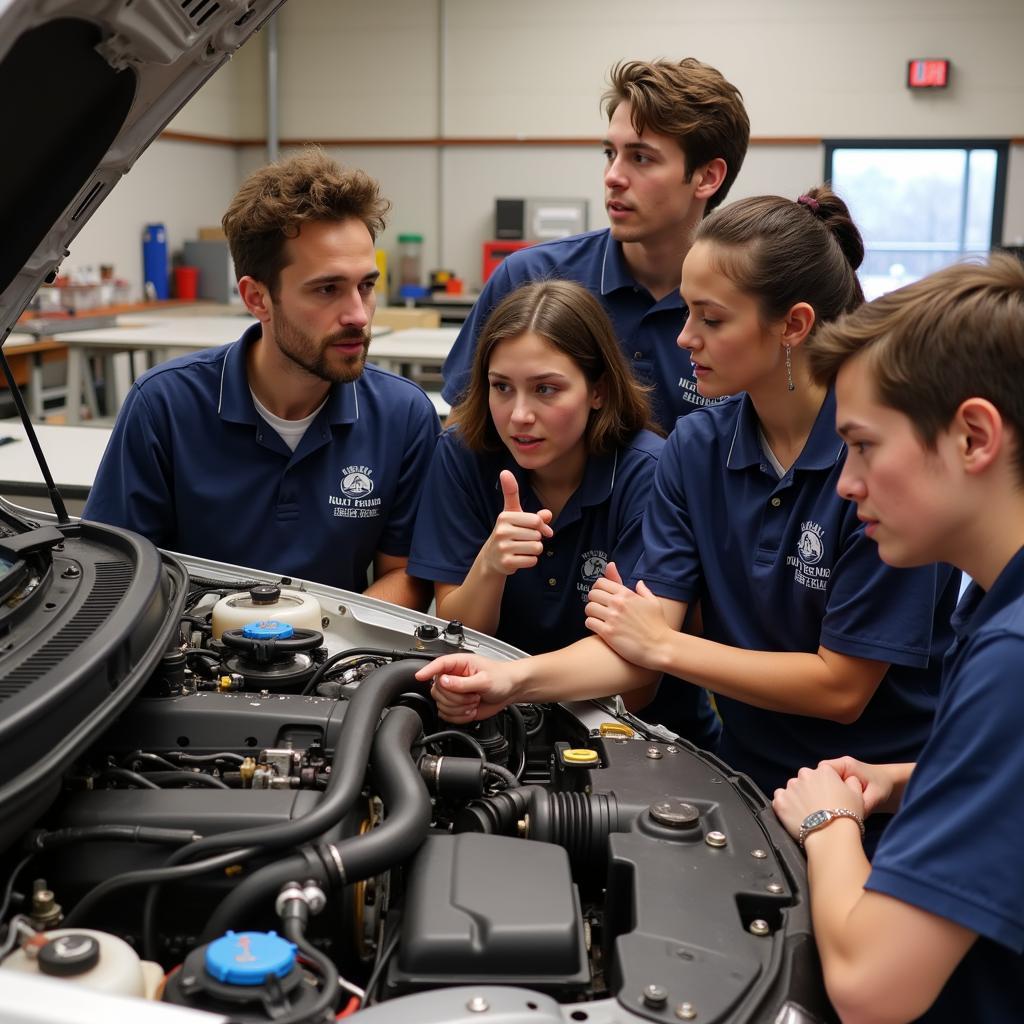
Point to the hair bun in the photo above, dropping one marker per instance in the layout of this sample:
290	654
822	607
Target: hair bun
834	215
810	202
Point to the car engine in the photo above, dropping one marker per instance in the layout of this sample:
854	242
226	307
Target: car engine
275	825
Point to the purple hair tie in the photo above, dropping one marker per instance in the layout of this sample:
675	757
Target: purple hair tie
811	203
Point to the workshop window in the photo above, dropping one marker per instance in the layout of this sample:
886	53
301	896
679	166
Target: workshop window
920	205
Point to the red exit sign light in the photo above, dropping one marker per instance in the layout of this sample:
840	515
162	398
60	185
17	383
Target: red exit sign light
928	74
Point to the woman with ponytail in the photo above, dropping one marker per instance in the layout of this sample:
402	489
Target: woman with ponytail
813	646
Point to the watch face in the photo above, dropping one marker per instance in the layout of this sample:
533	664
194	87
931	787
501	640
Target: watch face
816	818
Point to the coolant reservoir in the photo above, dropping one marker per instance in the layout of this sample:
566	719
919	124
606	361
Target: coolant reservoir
299	610
97	960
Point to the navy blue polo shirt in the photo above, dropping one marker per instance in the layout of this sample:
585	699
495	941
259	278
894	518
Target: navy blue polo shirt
542	608
784	565
954	847
647	330
192	466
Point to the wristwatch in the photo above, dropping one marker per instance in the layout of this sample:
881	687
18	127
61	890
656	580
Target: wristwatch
819	819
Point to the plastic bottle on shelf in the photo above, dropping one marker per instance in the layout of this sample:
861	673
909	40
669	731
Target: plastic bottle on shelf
410	259
155	262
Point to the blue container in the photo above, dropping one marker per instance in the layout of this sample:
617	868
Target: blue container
155	266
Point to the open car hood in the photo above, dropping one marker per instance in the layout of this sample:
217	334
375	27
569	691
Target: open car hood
87	85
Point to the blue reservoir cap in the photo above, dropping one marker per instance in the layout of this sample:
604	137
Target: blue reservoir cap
249	958
268	629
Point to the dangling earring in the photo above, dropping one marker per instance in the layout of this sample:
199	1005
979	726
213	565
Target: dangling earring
790	386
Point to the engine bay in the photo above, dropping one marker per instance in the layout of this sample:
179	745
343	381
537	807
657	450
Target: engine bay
278	827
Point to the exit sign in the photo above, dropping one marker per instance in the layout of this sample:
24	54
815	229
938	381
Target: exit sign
928	73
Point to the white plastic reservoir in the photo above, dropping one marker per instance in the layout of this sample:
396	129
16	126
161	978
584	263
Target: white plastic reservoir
97	960
298	609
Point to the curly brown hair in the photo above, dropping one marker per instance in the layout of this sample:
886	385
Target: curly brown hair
275	201
689	101
567	315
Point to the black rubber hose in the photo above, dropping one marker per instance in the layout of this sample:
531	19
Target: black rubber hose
347	772
455	734
347	769
407	806
501	772
351	654
327	997
180	755
181	777
164	874
125	833
129	760
407	817
520	723
126	776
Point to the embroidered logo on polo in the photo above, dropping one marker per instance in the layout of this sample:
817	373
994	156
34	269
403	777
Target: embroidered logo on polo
356	482
810	549
356	486
693	396
592	568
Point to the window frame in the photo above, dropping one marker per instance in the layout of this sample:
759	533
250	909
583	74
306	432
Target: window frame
1001	146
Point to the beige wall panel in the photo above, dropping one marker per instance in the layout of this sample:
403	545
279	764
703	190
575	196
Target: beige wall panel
806	67
179	184
232	104
822	69
358	70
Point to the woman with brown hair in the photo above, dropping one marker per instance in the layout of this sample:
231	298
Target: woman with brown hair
541	479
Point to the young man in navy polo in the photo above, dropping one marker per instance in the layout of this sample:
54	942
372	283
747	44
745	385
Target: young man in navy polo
284	451
930	405
677	135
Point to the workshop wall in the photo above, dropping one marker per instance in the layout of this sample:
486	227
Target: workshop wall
378	83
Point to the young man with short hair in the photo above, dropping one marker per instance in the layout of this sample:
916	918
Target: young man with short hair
677	135
930	403
284	451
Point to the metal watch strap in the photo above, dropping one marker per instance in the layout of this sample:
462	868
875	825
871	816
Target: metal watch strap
833	813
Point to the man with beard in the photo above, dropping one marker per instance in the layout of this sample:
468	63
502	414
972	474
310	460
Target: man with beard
677	134
284	451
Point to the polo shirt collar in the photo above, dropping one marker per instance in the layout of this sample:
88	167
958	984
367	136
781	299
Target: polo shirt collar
977	606
616	276
235	400
614	271
821	451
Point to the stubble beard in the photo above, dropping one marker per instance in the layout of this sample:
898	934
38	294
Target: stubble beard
314	357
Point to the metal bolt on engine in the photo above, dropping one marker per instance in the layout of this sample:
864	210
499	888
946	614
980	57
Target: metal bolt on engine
686	1011
314	897
655	996
478	1005
716	839
759	927
758	854
46	911
654	753
774	887
674	814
